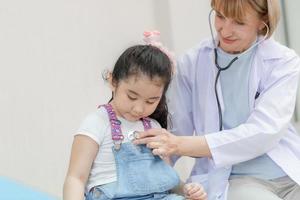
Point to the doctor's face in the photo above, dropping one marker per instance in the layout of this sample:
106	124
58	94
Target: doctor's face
237	36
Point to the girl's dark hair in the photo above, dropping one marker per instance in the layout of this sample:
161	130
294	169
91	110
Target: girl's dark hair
152	62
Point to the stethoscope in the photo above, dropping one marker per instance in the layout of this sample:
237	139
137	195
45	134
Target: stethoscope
220	69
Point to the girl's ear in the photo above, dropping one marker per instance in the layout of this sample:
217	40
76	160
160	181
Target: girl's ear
112	84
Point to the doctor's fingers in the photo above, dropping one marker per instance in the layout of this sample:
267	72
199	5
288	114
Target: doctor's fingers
163	150
160	152
154	145
147	140
150	133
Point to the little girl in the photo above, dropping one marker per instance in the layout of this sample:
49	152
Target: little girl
104	163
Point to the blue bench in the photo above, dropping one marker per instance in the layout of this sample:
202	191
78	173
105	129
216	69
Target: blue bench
12	190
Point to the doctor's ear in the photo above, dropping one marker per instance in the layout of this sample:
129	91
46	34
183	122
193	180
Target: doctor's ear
262	25
264	22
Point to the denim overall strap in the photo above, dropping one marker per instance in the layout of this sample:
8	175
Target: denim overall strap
115	125
146	123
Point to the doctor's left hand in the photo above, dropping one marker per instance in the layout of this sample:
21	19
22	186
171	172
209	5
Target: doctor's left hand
162	142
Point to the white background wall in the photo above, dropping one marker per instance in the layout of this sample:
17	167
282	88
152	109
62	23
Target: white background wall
52	54
293	32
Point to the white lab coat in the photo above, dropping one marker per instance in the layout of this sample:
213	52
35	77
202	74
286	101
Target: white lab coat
192	103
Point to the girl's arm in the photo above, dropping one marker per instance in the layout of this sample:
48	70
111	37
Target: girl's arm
84	151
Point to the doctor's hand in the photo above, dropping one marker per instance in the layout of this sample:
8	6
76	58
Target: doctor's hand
194	191
162	142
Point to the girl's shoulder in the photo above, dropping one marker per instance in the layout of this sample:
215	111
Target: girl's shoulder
154	123
95	125
99	116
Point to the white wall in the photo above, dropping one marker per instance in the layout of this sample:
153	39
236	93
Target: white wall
189	23
293	25
52	54
293	32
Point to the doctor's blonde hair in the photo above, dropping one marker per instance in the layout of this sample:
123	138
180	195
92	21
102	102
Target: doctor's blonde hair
267	10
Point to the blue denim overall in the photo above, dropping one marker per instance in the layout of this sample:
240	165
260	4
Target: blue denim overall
140	174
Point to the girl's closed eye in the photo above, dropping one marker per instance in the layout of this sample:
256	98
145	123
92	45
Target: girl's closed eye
150	102
132	98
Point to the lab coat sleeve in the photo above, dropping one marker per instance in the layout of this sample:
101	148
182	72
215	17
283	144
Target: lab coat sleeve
264	128
180	101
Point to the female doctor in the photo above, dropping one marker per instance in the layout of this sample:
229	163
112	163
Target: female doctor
231	104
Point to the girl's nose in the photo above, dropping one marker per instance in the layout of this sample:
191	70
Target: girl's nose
138	108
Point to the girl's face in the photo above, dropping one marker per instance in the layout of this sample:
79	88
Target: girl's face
137	96
237	36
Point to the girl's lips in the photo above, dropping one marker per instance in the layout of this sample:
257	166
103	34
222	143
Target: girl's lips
135	117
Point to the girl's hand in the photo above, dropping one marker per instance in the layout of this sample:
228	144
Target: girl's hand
194	191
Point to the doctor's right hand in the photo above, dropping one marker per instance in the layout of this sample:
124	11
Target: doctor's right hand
162	142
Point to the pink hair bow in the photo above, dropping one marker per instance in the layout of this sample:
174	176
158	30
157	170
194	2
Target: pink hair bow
153	38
